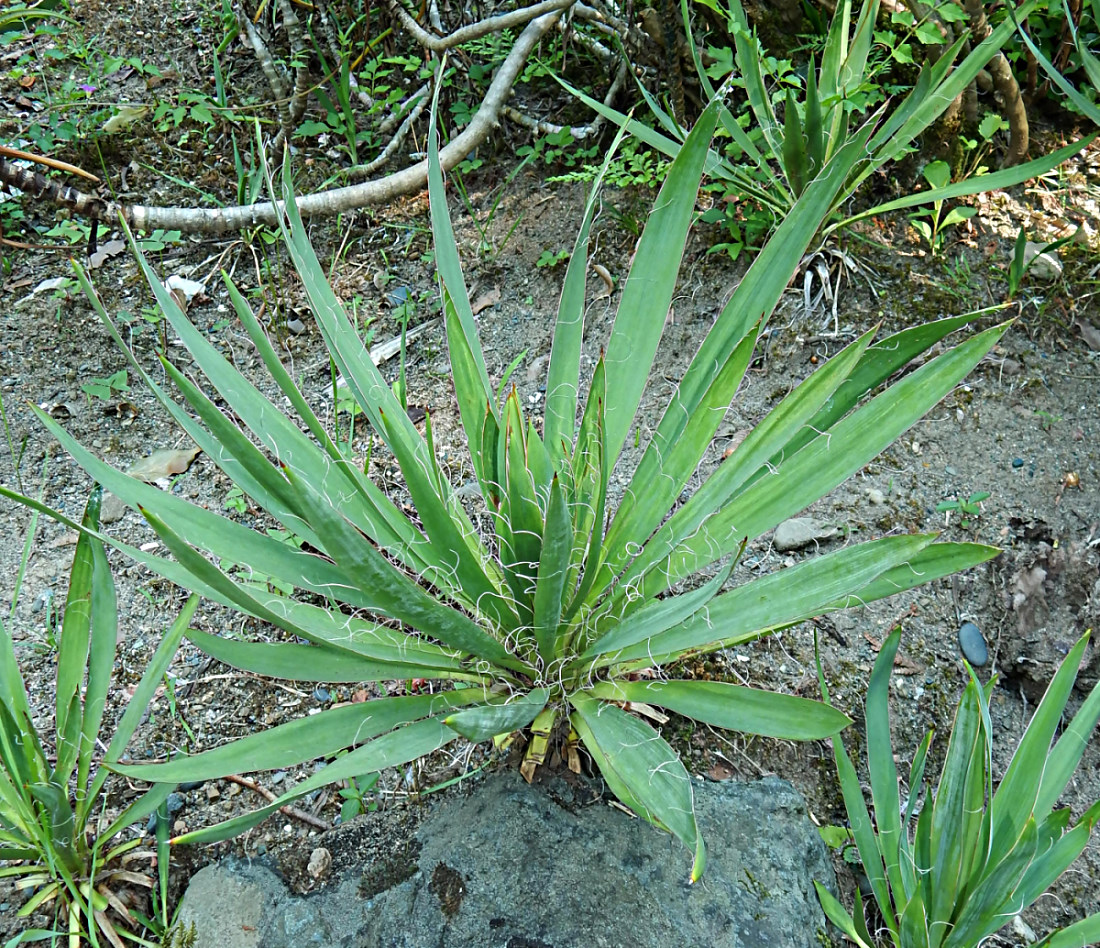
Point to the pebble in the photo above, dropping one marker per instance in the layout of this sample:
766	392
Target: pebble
322	694
1043	265
876	496
972	644
295	326
798	532
398	295
173	804
320	862
1017	462
279	776
1024	931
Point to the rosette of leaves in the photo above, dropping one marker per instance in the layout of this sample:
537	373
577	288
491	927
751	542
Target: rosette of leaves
772	155
50	846
576	607
949	869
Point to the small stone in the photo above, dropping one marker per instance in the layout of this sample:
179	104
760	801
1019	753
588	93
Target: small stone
174	803
212	792
190	785
798	532
295	326
320	862
322	694
877	497
113	509
279	776
179	827
972	644
1022	930
1042	265
398	295
1017	462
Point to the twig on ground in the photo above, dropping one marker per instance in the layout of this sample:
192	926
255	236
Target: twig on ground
291	811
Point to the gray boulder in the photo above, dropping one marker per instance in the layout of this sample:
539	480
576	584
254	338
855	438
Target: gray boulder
548	866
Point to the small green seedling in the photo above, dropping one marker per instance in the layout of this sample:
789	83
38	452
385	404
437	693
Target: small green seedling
930	221
106	388
358	796
1047	420
970	507
235	500
550	259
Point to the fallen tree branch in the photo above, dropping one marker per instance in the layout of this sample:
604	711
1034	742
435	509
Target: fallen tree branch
492	24
288	810
579	132
323	204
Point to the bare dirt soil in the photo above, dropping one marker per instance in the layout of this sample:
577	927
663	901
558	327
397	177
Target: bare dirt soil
1024	427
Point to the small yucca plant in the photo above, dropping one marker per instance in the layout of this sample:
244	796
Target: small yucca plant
51	786
579	606
786	149
952	868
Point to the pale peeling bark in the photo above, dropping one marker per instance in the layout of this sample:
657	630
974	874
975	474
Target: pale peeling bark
326	203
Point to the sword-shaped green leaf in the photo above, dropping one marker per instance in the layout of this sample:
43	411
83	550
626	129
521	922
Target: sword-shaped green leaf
750	710
632	755
499	715
305	739
647	293
550	591
764	604
295	662
410	742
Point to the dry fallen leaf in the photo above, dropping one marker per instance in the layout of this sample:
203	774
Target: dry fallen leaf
609	283
110	249
487	299
184	290
1090	334
163	463
127	116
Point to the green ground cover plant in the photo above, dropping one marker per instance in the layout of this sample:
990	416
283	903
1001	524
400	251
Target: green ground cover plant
553	608
771	152
51	843
948	869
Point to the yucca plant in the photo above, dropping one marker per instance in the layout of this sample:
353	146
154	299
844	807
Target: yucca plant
50	844
949	870
775	167
579	605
